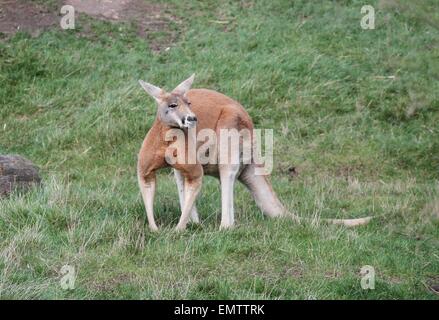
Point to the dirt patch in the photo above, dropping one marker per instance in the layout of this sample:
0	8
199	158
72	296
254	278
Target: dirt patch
111	284
24	16
150	18
293	171
296	271
347	171
101	9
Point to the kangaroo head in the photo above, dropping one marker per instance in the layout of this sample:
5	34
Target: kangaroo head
174	108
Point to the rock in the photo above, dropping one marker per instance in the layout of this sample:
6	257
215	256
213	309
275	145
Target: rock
17	173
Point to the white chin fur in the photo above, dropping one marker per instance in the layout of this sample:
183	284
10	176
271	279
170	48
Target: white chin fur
189	125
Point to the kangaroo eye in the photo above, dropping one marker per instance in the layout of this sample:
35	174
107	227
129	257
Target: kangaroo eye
172	105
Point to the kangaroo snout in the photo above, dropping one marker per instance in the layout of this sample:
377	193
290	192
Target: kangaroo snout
191	118
189	121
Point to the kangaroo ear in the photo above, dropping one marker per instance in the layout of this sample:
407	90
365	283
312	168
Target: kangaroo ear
152	90
184	87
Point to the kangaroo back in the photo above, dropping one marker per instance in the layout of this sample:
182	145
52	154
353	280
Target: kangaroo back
212	108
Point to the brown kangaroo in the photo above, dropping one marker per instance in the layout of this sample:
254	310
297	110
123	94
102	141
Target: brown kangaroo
186	108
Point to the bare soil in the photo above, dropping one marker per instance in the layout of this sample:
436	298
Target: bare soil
20	15
24	16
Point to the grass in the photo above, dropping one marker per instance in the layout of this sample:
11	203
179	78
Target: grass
363	143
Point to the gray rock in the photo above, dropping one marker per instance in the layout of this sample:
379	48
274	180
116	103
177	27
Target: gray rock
17	173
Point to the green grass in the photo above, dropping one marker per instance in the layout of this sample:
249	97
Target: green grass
363	145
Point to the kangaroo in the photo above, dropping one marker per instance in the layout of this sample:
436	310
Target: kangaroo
185	108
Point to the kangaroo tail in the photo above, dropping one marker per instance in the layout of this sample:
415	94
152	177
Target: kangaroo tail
350	222
266	199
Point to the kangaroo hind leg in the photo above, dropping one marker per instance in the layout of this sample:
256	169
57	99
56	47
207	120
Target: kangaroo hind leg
193	177
228	175
179	179
147	189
